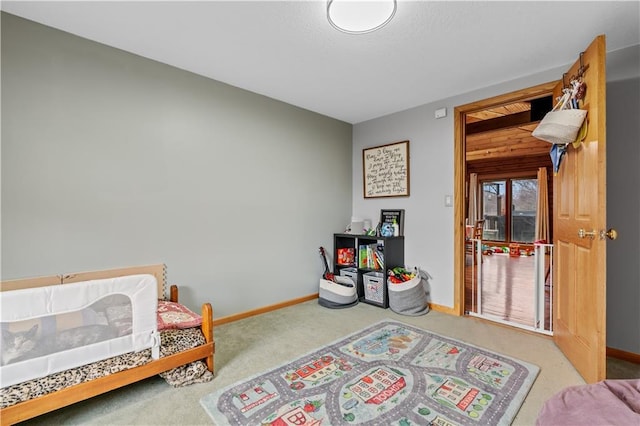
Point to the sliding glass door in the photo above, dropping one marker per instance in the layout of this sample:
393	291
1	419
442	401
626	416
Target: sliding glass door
523	210
509	209
494	198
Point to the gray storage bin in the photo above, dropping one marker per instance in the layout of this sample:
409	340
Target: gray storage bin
374	286
351	273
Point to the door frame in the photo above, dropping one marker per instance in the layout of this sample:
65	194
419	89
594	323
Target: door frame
460	171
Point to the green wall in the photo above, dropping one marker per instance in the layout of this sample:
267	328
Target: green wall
112	160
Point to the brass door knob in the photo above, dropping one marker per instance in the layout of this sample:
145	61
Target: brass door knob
611	234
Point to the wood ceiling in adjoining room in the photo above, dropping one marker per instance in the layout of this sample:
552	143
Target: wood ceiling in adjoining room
496	112
505	143
500	136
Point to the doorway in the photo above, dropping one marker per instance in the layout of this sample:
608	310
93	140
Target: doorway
493	141
580	228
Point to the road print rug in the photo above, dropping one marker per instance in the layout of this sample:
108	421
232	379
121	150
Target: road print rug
387	374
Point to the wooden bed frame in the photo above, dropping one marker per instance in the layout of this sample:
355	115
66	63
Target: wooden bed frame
46	403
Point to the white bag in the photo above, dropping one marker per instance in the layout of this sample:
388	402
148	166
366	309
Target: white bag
560	126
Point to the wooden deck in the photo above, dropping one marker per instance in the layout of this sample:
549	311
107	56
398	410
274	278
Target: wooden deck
507	289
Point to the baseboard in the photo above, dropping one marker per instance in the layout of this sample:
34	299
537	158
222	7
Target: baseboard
623	355
442	309
263	310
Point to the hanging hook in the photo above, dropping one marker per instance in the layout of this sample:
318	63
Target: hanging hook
583	67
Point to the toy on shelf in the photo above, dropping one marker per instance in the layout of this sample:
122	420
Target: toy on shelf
346	256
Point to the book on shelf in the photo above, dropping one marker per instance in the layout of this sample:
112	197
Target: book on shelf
371	256
363	260
379	257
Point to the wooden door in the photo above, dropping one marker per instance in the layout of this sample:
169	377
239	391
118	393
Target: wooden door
579	210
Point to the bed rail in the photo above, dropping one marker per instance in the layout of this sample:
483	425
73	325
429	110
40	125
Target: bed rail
64	397
159	271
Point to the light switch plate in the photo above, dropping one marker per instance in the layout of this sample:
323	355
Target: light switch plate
448	201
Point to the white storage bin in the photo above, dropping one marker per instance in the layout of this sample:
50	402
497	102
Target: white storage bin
374	286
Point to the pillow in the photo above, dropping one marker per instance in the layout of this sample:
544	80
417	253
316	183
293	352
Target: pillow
173	315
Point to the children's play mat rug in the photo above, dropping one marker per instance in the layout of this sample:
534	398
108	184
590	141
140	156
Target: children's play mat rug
388	374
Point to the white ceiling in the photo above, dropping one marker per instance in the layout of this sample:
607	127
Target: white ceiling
288	51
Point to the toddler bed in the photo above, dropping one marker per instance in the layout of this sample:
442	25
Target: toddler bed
66	338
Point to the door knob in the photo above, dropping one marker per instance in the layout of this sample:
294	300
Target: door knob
584	234
611	234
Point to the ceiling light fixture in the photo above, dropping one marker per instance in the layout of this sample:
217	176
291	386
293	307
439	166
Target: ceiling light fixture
360	16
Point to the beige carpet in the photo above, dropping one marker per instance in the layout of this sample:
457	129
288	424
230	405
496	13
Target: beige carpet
247	347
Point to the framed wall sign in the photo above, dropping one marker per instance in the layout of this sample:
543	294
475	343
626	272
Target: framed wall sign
385	170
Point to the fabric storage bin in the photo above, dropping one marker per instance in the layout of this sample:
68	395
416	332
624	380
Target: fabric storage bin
374	287
351	273
409	297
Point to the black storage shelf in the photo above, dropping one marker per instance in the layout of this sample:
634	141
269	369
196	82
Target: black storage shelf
393	253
